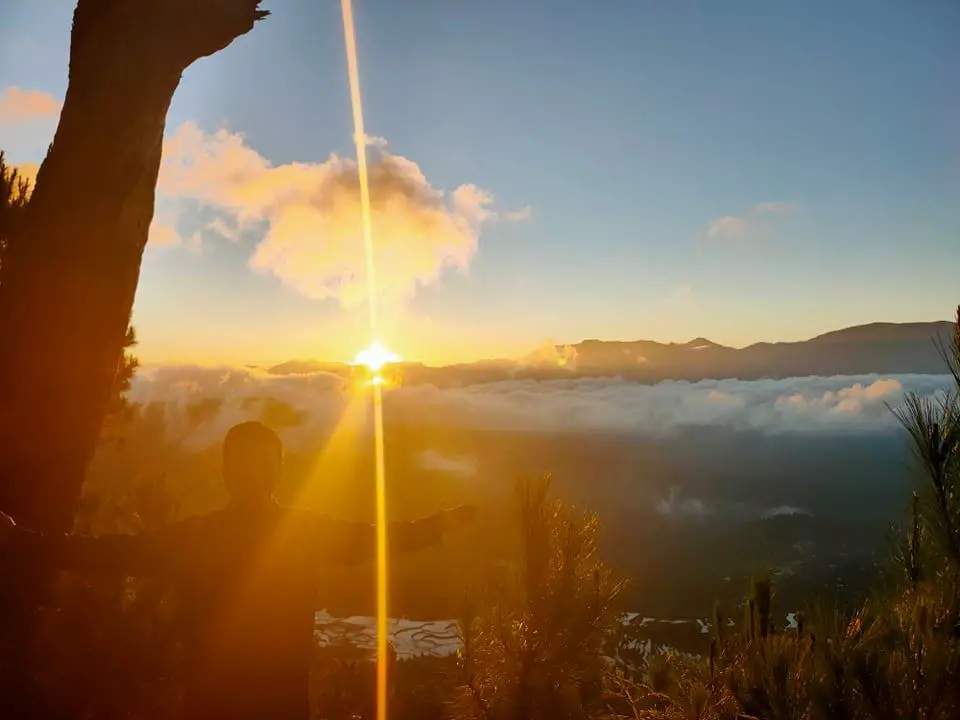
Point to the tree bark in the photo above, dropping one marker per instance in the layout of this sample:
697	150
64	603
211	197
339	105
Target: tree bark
70	278
70	275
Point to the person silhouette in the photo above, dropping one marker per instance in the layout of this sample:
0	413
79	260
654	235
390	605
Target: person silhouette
247	577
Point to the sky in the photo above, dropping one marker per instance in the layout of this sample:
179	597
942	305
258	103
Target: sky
543	170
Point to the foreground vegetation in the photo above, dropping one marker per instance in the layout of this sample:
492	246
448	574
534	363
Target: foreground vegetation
545	643
897	656
541	633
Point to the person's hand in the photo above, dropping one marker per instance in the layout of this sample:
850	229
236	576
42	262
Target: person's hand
458	517
7	526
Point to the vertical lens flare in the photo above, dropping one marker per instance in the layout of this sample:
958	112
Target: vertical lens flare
360	139
382	660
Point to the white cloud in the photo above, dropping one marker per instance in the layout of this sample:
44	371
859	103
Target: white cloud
161	234
675	506
241	394
19	106
747	226
549	354
26	119
797	405
781	511
727	226
310	214
524	213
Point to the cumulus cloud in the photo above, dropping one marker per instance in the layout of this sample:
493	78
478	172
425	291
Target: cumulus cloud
748	225
19	106
19	111
551	355
309	214
798	405
851	400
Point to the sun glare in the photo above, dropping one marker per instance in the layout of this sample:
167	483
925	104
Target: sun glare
375	356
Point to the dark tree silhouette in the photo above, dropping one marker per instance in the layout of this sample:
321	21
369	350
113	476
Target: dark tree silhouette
70	267
14	197
14	194
121	383
71	270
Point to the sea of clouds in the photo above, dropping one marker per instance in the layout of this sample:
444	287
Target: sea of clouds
794	405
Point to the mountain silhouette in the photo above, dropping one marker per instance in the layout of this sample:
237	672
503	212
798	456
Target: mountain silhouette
881	348
892	348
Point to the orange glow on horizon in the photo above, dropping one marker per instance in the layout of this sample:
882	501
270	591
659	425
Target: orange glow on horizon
375	357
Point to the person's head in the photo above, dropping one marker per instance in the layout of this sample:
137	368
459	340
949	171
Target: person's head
252	463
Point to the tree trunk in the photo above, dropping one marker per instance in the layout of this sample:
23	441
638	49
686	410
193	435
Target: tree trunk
70	278
70	275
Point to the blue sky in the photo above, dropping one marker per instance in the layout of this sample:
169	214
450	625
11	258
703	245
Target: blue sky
739	170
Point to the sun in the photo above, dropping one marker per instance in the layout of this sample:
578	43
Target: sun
375	356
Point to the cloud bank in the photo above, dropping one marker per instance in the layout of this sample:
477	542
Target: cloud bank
309	214
604	405
317	400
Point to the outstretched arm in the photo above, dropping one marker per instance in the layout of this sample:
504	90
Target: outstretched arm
114	554
351	543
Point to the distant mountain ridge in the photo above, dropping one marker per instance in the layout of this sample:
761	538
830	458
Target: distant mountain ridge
881	348
900	348
886	331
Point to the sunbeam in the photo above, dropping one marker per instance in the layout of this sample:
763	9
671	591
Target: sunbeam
360	139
